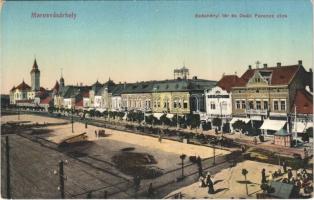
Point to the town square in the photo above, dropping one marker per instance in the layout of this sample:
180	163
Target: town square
110	105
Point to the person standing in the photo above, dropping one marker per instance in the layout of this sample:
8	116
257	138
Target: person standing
150	190
284	166
289	174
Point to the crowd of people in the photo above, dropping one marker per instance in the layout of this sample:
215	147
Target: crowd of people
302	180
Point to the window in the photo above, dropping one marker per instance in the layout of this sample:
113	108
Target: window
238	104
251	105
212	105
175	104
185	105
282	105
158	104
179	104
276	105
258	105
243	105
265	105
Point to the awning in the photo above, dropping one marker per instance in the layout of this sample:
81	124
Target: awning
125	116
170	116
148	114
274	125
101	110
158	115
91	109
246	120
301	127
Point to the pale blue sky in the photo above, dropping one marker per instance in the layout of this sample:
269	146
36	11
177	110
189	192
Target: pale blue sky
131	41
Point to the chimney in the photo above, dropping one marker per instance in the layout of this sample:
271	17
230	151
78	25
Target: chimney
250	67
300	62
278	64
265	66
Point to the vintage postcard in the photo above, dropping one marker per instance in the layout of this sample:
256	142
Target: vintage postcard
157	99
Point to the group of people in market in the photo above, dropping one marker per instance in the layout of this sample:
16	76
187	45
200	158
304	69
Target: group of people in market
302	181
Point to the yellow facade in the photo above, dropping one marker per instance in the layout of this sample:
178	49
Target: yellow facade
171	102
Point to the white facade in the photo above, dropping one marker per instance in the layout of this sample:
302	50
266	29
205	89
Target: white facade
68	103
98	102
85	102
116	103
218	102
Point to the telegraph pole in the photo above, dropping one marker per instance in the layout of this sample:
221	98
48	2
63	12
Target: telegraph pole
61	176
8	167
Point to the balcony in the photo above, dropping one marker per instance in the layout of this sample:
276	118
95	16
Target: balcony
256	112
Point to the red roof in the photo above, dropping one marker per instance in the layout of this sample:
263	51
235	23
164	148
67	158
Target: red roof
56	87
46	100
229	81
280	75
79	103
303	101
23	86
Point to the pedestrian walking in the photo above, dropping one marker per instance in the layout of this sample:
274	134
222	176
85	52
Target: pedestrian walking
255	140
85	125
159	138
95	133
263	176
210	185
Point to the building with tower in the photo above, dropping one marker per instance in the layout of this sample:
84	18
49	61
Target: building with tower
35	77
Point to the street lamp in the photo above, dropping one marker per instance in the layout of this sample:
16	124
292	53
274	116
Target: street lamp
72	120
182	157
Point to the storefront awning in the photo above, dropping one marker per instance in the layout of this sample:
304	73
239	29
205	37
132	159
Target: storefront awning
91	109
101	110
274	125
170	116
301	127
246	120
148	114
158	115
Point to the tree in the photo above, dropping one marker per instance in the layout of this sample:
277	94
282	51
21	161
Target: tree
217	122
307	134
193	120
165	120
244	173
240	125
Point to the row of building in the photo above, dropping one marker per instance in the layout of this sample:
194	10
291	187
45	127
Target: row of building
269	98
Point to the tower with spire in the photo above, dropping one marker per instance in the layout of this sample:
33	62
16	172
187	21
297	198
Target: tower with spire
35	77
61	80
